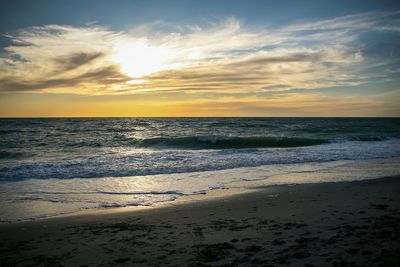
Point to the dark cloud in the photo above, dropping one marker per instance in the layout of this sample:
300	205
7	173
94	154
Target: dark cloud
76	60
253	73
104	76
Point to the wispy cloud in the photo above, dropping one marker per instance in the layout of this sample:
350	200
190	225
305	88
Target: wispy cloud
220	57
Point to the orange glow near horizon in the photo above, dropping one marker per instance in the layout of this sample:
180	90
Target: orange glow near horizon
52	105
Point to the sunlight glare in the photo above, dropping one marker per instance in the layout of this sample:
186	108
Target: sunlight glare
137	58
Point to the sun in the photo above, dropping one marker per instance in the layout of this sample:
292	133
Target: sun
137	58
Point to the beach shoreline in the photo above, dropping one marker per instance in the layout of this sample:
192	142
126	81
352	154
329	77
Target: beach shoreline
42	199
320	224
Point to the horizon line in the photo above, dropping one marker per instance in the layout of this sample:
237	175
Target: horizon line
205	117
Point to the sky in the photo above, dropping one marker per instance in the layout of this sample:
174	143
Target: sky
199	58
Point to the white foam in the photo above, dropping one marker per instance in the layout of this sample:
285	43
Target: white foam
141	162
57	196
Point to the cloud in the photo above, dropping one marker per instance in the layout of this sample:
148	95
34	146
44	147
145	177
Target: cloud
375	21
220	57
74	61
102	77
292	68
296	104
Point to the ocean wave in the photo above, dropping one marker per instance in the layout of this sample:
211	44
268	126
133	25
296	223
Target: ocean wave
12	155
228	142
162	161
368	138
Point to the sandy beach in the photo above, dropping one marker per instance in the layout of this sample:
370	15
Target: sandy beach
330	224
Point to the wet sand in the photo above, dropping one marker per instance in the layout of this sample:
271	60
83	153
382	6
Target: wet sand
332	224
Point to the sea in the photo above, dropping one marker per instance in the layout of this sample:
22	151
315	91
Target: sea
50	167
